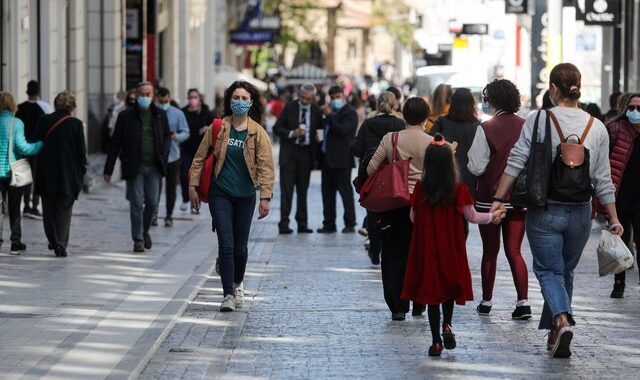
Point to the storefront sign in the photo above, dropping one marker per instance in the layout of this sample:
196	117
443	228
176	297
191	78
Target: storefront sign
251	36
539	37
602	12
475	29
516	6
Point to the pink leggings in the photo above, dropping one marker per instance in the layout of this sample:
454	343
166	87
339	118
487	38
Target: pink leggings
513	227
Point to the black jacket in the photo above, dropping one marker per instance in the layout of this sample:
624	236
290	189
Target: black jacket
127	142
196	120
369	136
62	162
288	121
340	131
463	133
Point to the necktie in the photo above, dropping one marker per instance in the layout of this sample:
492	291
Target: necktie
303	121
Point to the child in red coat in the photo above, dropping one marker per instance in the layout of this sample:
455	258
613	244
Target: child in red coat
437	269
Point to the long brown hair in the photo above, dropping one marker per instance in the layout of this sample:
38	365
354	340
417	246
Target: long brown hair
440	174
463	106
441	99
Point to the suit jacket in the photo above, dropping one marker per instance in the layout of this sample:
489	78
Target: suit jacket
127	142
288	121
340	130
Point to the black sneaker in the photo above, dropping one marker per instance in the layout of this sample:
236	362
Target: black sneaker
138	246
398	316
349	230
147	241
17	248
154	220
521	313
60	252
483	309
285	231
618	289
168	222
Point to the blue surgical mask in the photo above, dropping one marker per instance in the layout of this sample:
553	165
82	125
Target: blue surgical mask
486	108
164	106
240	107
633	116
337	104
144	101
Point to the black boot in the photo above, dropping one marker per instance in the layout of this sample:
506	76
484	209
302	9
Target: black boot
618	289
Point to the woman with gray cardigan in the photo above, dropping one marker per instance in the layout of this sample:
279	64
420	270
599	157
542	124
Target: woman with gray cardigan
559	232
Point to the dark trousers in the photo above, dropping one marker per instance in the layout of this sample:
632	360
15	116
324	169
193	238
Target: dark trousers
232	218
56	217
11	200
173	173
31	199
185	165
337	180
512	228
295	173
630	221
396	228
372	223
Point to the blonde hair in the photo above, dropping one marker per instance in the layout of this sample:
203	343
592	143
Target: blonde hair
65	101
7	102
441	99
386	102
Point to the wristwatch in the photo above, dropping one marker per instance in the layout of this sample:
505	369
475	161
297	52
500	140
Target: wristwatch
501	200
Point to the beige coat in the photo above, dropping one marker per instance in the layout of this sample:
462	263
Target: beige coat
257	155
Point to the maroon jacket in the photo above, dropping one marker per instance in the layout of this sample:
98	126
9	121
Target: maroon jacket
502	133
621	140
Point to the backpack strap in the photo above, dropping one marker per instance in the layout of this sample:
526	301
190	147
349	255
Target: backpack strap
557	125
586	130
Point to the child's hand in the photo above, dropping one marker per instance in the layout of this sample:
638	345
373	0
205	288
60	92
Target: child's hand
499	214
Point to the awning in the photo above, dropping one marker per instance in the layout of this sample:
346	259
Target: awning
306	73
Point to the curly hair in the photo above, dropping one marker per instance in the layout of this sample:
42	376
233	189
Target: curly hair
65	101
503	95
257	108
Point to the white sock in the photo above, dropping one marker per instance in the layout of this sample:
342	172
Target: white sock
486	303
523	303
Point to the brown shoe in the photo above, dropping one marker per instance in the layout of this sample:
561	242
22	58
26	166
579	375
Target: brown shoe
448	337
435	349
562	346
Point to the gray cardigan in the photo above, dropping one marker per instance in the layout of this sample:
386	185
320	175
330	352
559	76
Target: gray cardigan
572	121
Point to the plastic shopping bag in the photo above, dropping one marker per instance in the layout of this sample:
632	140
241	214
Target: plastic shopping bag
613	255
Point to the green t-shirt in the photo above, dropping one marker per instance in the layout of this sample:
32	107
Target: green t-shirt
234	178
148	149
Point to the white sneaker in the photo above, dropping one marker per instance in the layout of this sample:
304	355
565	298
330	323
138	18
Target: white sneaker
239	295
184	206
228	304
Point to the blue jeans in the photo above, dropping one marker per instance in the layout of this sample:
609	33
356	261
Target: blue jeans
557	235
232	218
143	194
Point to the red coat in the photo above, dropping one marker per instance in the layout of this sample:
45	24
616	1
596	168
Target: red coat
437	268
621	136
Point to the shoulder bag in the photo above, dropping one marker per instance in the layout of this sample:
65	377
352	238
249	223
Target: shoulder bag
206	174
532	185
20	170
388	187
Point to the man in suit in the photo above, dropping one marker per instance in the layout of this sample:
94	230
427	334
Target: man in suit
341	122
296	127
142	140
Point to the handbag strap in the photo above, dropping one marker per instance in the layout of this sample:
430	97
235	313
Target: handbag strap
11	139
57	123
394	141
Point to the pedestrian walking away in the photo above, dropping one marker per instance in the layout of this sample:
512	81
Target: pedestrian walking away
142	140
487	159
395	225
440	103
624	156
29	112
13	145
296	127
199	118
179	133
437	270
341	122
60	174
364	146
559	232
459	126
243	164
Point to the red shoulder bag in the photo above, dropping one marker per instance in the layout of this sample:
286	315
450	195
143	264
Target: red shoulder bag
206	174
388	187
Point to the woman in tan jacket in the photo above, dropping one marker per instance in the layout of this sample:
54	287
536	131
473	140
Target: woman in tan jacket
244	164
396	225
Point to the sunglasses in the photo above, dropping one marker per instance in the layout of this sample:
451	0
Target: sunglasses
633	108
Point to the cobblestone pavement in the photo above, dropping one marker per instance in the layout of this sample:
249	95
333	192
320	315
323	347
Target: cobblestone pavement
315	310
101	311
